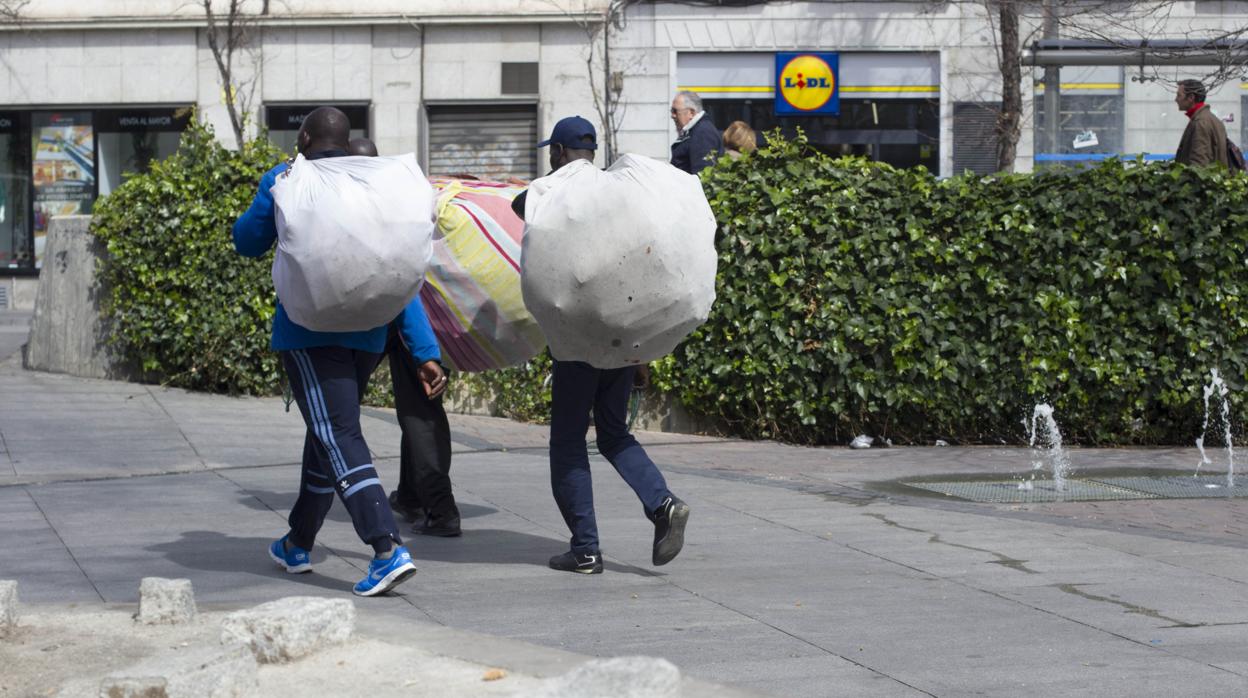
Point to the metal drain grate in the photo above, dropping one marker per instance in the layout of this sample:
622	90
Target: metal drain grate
1007	491
4	296
1181	486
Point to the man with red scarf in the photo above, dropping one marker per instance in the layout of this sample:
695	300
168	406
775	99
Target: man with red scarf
1204	139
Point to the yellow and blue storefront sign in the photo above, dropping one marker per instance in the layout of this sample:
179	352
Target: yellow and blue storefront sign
807	84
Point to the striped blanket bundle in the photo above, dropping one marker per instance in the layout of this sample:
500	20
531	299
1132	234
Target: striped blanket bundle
472	286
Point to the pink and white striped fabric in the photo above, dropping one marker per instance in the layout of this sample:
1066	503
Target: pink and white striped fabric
472	288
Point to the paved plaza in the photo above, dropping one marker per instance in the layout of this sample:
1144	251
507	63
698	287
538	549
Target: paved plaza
804	572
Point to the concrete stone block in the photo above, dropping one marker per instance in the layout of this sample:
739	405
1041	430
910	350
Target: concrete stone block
352	81
209	672
621	677
314	45
8	606
166	601
445	80
102	83
176	82
352	45
64	83
102	47
67	334
314	81
279	81
289	628
395	44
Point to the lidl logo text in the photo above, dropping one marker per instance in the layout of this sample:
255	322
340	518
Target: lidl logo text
801	83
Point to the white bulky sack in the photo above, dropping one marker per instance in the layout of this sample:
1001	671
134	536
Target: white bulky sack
354	236
618	266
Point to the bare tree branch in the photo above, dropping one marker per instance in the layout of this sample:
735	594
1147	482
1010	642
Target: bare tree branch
1221	47
11	10
227	35
598	26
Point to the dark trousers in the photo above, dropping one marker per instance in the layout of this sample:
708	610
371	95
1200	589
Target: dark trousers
576	389
425	451
328	383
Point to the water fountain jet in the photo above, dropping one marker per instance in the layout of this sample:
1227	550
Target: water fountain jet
1217	388
1043	429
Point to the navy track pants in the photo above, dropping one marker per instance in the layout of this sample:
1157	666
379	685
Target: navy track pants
328	384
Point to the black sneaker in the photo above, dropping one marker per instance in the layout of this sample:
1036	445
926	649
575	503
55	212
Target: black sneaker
445	527
581	563
407	512
669	530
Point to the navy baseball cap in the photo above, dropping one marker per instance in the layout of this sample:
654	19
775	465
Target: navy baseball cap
570	132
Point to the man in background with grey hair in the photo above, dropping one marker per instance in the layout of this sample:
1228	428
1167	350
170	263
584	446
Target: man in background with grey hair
1204	139
696	137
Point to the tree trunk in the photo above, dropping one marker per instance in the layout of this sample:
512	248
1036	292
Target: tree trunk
1009	122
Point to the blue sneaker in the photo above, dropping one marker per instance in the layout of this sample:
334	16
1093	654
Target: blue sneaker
384	575
296	561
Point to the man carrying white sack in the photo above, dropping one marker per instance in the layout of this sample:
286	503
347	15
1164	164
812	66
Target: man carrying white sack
577	388
328	373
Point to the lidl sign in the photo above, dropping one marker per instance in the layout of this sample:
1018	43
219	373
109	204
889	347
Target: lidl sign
807	83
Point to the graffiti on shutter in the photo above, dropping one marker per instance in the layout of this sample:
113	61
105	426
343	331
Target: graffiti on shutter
487	142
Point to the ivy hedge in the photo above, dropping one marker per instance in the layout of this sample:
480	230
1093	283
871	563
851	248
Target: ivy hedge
185	308
853	297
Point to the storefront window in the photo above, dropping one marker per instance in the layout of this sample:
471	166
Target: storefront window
55	163
130	140
1089	123
15	243
284	122
900	132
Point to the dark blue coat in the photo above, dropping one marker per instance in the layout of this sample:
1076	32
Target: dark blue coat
690	153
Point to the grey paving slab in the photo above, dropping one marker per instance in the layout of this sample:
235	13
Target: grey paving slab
799	677
12	337
31	550
801	576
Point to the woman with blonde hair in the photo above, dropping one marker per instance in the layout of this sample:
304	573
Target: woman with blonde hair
739	138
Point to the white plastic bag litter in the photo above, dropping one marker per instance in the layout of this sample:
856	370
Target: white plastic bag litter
618	266
354	236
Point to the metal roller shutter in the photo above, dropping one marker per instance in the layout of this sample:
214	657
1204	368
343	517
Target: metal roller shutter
487	142
975	137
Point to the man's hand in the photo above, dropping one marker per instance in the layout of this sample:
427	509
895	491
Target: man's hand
433	378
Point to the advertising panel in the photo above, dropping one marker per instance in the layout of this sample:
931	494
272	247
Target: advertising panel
63	164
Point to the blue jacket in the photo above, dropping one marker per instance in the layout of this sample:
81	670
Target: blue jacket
254	234
417	334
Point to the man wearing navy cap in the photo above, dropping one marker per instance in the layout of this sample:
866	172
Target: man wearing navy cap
573	138
577	388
